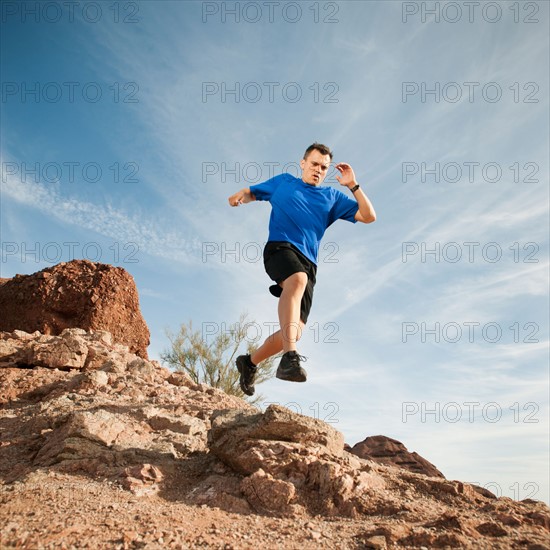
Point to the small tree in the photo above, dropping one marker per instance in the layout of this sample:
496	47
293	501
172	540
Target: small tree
214	363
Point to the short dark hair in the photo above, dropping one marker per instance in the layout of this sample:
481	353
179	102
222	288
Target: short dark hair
323	149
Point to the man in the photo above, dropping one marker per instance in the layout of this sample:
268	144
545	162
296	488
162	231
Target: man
302	210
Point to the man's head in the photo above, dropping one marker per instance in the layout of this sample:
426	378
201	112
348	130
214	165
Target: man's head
315	163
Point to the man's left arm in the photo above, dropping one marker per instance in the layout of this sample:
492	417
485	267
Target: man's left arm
366	213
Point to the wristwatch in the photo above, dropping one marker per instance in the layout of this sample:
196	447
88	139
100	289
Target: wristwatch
354	188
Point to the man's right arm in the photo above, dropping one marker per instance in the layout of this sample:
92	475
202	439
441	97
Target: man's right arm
241	197
258	192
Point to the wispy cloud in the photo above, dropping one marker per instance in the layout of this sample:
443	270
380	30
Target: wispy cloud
104	220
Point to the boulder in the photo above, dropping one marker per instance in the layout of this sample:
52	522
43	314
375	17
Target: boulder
76	294
235	435
298	460
386	450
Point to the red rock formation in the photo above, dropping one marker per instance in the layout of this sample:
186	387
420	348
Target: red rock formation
76	294
386	450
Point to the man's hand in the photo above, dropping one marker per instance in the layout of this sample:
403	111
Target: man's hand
241	197
348	175
365	213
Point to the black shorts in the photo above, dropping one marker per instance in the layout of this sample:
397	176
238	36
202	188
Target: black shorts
281	260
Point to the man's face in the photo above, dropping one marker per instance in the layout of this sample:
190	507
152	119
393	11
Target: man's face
315	167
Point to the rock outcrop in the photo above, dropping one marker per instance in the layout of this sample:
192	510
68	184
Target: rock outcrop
76	294
96	406
78	406
294	463
386	450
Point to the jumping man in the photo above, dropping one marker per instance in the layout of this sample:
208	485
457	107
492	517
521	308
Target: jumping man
302	210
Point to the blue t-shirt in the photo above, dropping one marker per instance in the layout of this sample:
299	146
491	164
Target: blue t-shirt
302	212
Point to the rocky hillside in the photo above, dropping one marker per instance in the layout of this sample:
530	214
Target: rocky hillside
101	448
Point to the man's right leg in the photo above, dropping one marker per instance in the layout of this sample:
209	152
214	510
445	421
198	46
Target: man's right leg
272	346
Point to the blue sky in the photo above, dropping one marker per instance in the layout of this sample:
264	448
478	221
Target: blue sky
126	125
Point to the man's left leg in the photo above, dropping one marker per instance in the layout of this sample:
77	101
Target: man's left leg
293	309
290	308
